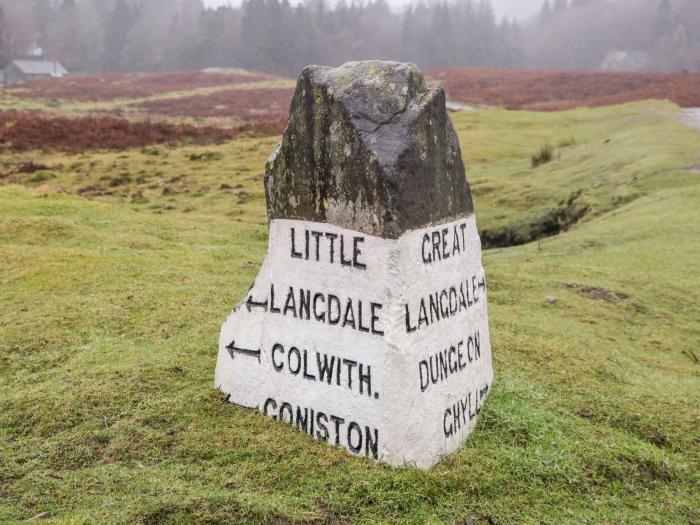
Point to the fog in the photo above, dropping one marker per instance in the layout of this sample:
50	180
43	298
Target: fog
517	9
280	36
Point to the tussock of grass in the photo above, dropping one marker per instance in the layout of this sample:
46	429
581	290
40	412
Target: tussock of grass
543	156
111	311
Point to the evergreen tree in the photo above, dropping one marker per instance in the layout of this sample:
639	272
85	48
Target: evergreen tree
116	32
663	21
73	37
545	13
43	14
484	29
4	51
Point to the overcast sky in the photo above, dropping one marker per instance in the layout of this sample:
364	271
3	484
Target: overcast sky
512	8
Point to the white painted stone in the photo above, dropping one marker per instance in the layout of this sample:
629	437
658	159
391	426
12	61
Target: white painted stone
398	415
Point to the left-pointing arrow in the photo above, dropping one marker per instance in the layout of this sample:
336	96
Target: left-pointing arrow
233	350
250	304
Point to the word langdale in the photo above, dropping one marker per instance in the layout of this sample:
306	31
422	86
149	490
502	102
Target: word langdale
366	326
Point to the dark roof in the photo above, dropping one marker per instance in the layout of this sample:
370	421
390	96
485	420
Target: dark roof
40	67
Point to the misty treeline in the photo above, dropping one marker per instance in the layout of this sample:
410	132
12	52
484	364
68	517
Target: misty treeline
279	37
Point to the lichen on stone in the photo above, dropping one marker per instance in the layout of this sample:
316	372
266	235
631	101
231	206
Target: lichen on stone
370	148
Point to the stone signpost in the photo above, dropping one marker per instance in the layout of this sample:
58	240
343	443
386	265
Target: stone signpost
367	325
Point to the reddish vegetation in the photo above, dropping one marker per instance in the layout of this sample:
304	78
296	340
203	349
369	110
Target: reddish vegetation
107	87
557	90
263	111
27	131
249	105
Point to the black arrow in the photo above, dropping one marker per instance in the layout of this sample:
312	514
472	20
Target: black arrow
233	349
483	391
250	304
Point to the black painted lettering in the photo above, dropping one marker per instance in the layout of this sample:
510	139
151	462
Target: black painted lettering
360	326
462	300
444	371
453	363
454	305
322	432
325	371
273	308
434	308
436	246
350	364
306	375
371	443
434	370
290	304
349	317
302	421
445	418
288	407
277	348
407	315
365	379
456	417
337	421
455	242
422	314
427	257
295	254
270	402
462	363
322	316
355	448
463	407
424	375
332	237
317	237
374	308
445	253
444	305
294	351
343	260
356	252
333	301
304	304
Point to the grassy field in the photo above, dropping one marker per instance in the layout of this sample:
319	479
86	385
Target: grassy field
118	268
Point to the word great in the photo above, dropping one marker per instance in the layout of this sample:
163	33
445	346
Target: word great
316	243
441	244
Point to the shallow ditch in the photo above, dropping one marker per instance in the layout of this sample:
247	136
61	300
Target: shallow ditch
548	224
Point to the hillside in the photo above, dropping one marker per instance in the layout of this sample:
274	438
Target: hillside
119	266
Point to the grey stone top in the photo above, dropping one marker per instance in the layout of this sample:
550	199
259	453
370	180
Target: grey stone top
368	147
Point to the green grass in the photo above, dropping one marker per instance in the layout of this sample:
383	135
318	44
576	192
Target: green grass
110	310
